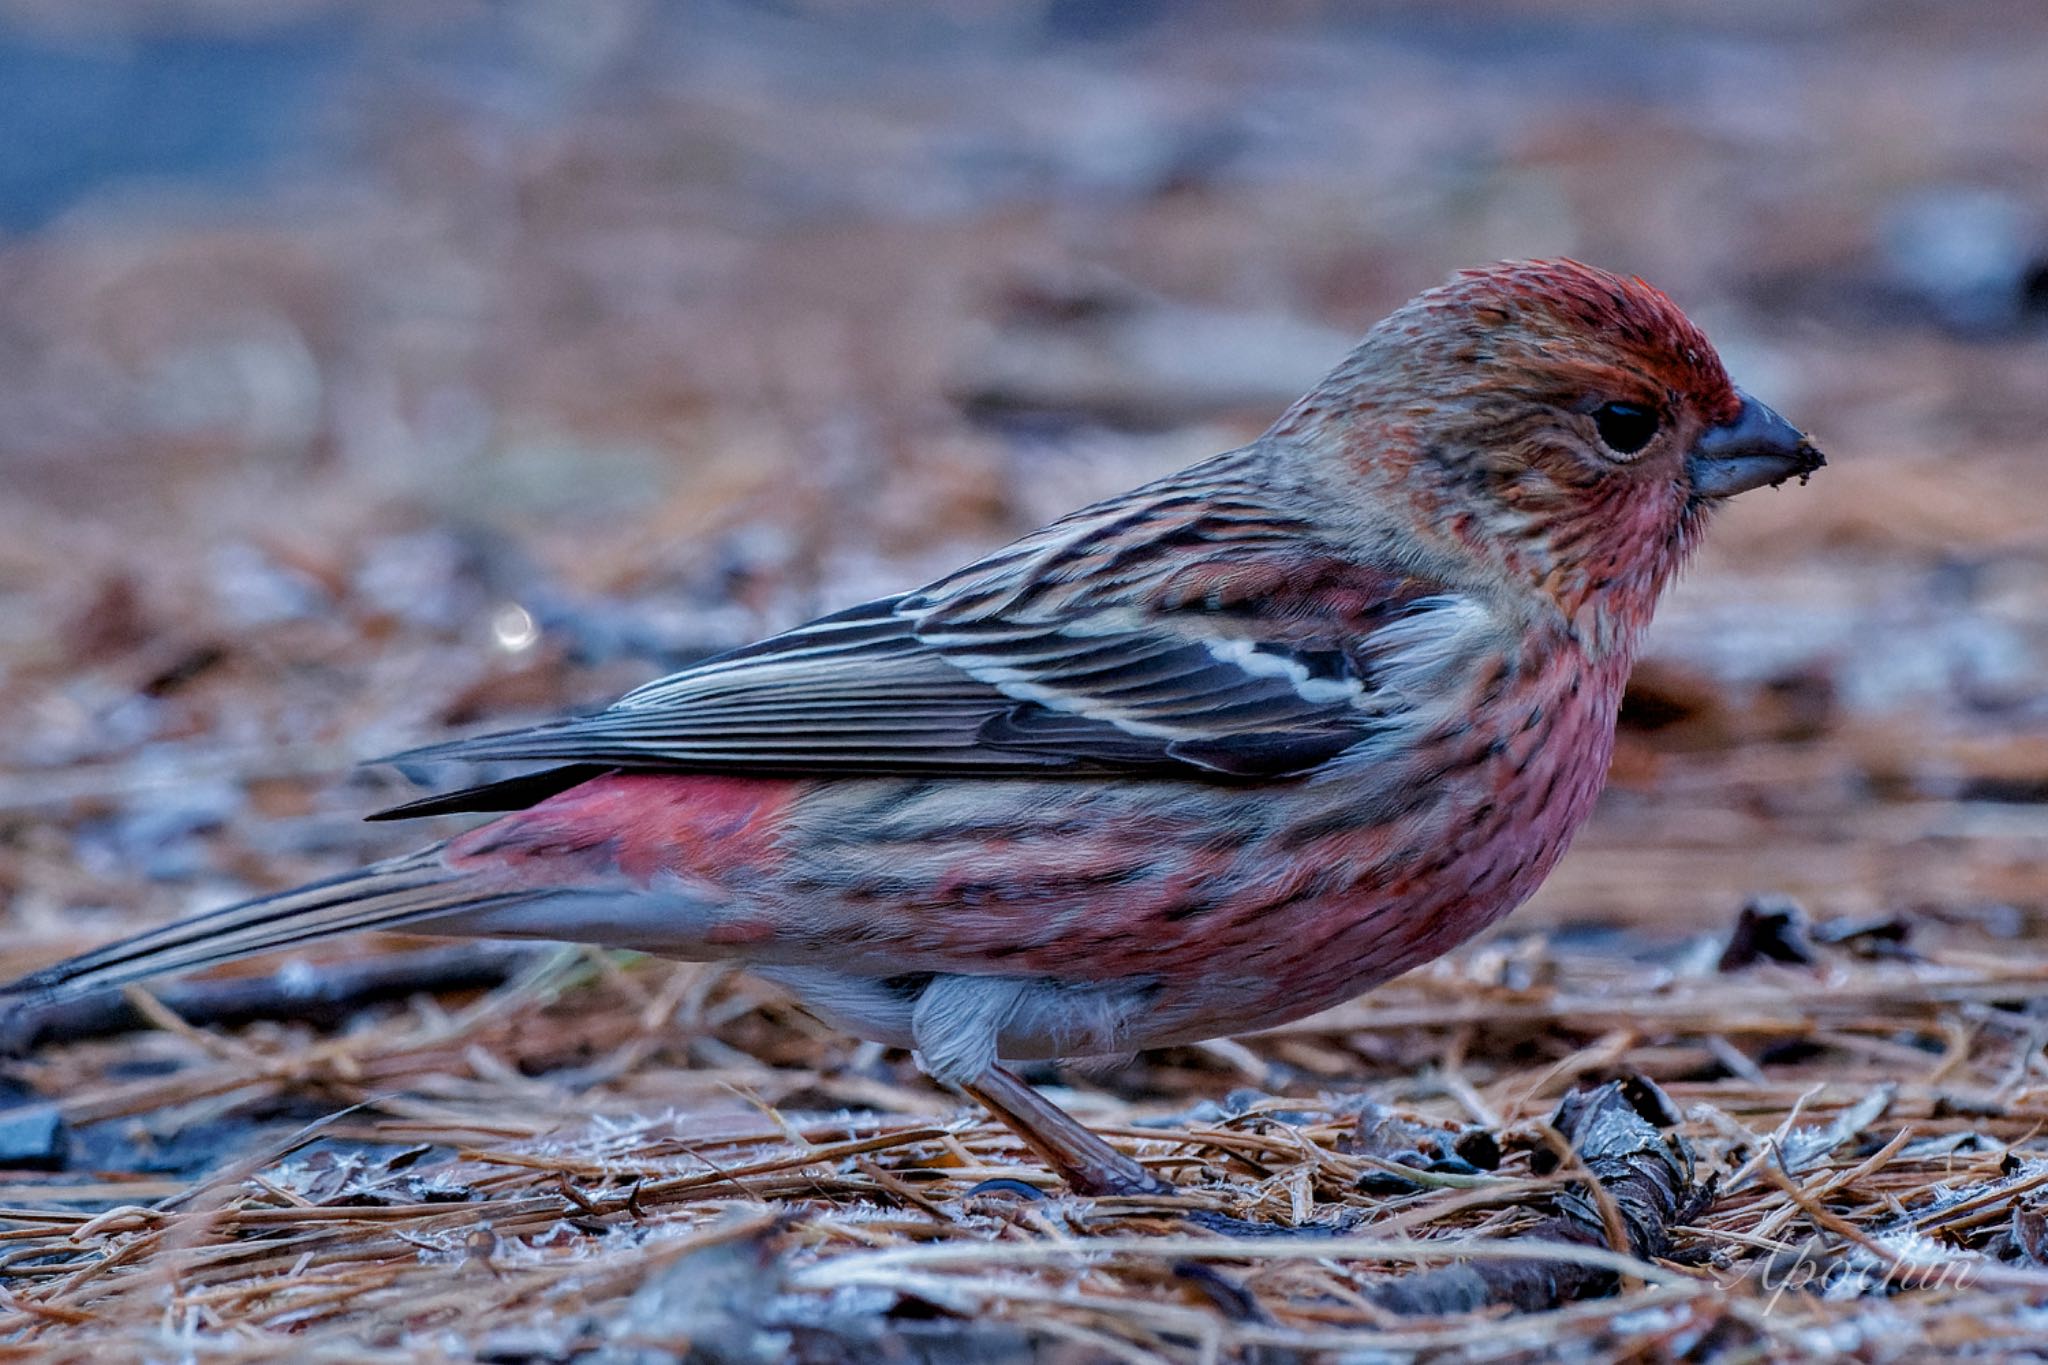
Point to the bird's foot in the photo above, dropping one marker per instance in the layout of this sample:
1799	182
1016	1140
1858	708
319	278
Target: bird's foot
1088	1165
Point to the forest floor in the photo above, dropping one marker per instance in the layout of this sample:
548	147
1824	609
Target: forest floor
501	408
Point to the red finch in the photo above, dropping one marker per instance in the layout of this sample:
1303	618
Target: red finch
1202	758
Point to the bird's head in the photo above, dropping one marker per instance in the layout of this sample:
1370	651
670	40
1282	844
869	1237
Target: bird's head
1550	423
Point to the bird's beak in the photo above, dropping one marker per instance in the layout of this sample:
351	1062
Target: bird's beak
1754	448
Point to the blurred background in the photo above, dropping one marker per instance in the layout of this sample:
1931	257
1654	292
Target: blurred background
371	370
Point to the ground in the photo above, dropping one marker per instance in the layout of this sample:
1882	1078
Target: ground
525	354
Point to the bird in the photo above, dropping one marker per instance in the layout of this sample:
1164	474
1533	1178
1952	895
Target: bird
1199	759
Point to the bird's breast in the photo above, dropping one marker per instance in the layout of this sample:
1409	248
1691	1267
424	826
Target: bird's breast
1417	862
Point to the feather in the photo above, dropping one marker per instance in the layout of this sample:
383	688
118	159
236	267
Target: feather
1095	644
403	890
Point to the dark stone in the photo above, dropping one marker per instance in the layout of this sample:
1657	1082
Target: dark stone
33	1137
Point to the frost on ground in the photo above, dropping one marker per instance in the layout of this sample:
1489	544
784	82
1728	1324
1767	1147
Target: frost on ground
516	364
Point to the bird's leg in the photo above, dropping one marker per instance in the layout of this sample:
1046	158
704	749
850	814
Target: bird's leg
1084	1161
1092	1167
957	1023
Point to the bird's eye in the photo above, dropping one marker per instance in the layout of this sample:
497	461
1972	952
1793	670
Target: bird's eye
1625	427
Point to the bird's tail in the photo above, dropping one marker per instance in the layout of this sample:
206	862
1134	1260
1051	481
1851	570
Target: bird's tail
384	895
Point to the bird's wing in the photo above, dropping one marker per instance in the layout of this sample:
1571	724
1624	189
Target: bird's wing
1187	627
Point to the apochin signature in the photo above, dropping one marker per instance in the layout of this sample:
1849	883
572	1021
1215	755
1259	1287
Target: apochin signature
1811	1269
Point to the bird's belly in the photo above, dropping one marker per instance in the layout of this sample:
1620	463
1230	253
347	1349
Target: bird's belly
1187	921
